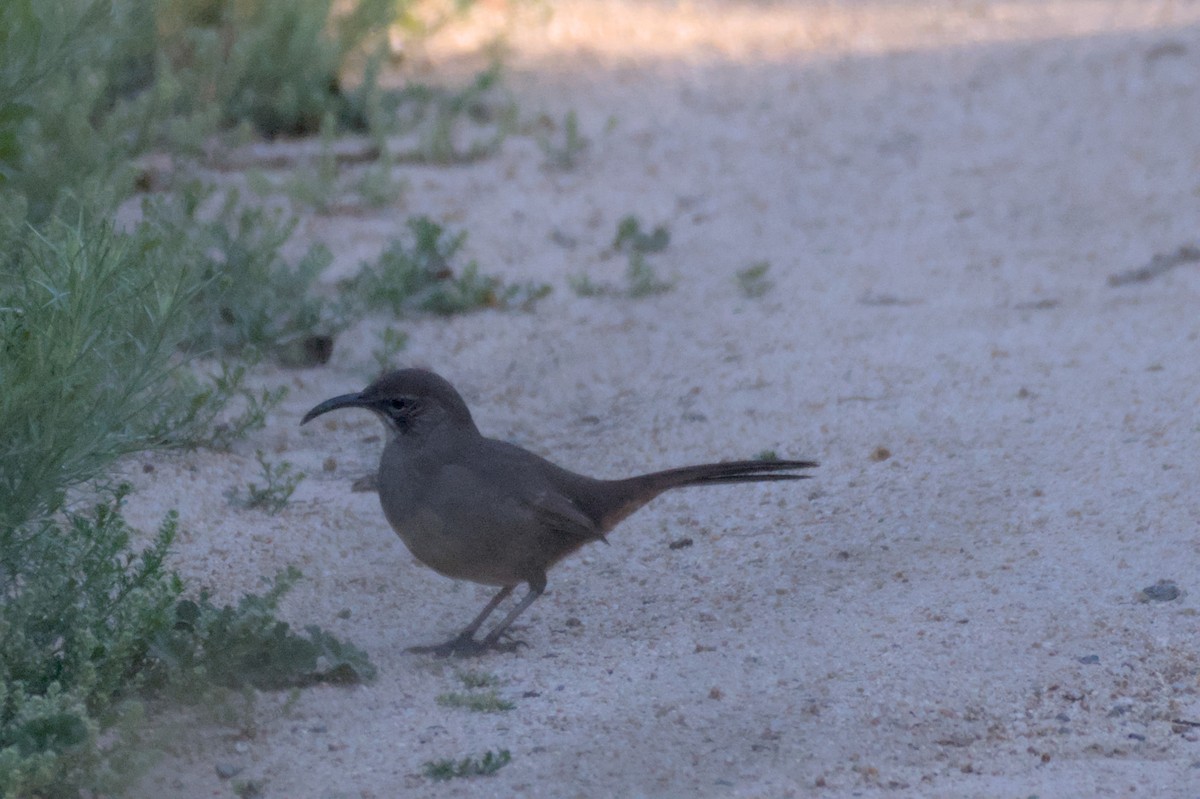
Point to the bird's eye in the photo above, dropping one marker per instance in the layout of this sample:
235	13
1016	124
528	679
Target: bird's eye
399	405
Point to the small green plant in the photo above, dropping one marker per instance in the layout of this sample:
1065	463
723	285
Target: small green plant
584	286
248	789
204	420
247	645
632	239
378	184
279	482
490	763
478	679
484	702
251	300
391	343
439	118
564	154
76	630
767	455
642	279
419	276
275	64
315	183
753	280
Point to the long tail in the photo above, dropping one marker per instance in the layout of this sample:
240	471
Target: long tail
646	487
731	472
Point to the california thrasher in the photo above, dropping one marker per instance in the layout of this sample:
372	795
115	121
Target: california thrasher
474	508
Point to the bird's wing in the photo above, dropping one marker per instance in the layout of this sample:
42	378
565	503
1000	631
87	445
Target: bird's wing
558	513
529	481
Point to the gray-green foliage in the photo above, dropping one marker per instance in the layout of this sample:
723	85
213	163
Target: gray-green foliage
420	275
279	482
631	238
564	151
251	299
753	280
641	278
391	343
453	126
278	64
490	763
55	145
87	338
478	701
77	631
85	85
247	644
219	410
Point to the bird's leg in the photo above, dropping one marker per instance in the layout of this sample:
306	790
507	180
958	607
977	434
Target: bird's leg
464	643
536	587
474	626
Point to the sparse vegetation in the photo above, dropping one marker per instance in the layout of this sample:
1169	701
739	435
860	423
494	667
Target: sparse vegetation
279	483
490	763
632	239
641	279
474	699
484	702
204	420
391	343
420	276
562	153
236	646
249	300
437	118
478	679
753	280
584	286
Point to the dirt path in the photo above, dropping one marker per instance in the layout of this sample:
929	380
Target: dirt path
1008	444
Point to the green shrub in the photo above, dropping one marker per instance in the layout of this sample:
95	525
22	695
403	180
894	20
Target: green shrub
88	337
247	645
420	277
447	769
76	632
250	300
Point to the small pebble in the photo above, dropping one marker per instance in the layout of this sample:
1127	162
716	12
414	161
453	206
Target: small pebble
1089	660
1162	591
680	543
228	770
880	454
330	464
1137	737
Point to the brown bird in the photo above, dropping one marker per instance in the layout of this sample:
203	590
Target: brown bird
474	508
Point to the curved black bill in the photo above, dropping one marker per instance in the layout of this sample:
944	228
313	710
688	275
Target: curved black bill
344	401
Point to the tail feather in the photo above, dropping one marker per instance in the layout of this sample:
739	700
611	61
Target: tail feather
729	472
646	487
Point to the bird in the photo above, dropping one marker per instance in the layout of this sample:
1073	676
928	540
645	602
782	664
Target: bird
480	509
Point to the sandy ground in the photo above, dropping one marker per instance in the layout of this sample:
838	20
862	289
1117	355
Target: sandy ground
941	190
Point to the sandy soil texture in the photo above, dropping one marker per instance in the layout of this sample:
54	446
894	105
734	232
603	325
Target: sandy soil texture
1009	444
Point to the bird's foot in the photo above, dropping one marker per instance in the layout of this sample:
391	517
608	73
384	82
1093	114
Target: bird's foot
465	646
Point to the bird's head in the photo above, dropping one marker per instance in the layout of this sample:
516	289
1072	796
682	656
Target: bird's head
407	401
